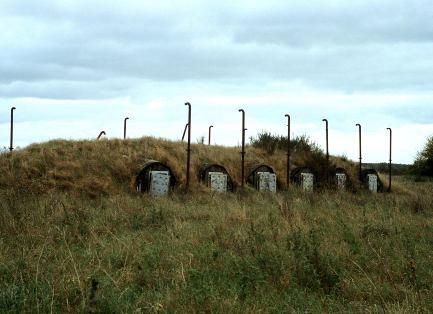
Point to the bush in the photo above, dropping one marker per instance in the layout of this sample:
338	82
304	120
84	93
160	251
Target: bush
312	155
423	164
270	143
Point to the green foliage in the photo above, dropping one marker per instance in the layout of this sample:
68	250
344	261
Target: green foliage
423	164
313	269
270	143
199	252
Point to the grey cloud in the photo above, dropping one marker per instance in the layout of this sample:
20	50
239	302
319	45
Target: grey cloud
348	23
57	50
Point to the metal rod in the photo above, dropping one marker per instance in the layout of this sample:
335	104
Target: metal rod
288	150
243	148
390	159
327	150
360	151
11	147
124	128
188	151
184	132
327	147
100	134
210	128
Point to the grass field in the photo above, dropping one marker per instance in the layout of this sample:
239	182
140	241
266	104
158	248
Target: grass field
75	237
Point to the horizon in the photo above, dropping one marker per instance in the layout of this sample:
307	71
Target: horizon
6	150
75	68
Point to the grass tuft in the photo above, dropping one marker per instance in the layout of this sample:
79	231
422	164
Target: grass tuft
76	237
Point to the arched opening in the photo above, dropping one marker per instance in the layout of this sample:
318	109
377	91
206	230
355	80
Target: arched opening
216	177
263	178
304	177
371	180
155	178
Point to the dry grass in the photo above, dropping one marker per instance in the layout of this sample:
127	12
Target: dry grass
110	166
74	238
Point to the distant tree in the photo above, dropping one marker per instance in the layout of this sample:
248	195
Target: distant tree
423	164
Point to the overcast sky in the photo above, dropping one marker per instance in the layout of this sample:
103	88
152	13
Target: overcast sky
76	67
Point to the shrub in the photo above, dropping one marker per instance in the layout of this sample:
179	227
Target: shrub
423	164
270	143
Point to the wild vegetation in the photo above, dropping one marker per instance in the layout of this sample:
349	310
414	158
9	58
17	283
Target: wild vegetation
271	143
110	166
397	169
76	237
423	165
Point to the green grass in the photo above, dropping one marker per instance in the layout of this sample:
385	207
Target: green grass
116	251
246	252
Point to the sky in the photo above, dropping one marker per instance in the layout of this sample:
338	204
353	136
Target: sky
75	67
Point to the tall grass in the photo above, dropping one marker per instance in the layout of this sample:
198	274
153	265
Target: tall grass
289	252
110	250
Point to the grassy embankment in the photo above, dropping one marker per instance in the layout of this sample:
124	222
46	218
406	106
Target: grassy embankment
76	237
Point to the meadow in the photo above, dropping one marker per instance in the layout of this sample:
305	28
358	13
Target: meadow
76	237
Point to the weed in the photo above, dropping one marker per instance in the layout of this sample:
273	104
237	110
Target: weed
313	270
70	219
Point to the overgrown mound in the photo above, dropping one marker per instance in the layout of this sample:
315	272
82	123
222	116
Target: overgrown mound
110	166
199	252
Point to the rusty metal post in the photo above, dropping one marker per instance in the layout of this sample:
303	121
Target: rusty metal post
188	150
327	151
360	152
288	150
184	132
390	159
210	128
100	134
243	148
327	147
124	128
11	147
